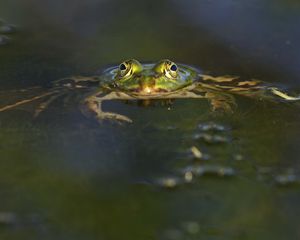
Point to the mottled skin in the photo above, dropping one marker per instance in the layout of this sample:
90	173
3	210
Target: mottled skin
164	80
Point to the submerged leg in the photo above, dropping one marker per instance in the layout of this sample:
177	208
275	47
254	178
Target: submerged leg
23	90
77	82
7	107
45	104
93	106
218	101
221	102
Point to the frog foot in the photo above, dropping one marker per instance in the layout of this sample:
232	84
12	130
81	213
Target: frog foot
115	117
283	95
221	103
93	108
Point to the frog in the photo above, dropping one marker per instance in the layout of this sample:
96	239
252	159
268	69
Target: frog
159	81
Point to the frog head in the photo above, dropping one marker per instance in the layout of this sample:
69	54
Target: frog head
151	79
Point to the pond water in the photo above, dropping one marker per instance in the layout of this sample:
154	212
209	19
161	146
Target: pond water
175	173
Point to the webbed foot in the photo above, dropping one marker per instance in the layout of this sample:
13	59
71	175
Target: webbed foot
92	108
221	103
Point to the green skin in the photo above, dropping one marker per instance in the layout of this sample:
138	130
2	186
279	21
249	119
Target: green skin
164	80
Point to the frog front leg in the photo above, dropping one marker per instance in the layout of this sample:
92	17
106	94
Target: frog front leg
92	105
219	101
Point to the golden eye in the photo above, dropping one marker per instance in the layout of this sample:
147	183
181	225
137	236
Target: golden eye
128	68
124	69
166	67
171	70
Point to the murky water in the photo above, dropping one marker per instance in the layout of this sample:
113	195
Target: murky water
178	173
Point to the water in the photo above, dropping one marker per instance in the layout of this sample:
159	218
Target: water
63	176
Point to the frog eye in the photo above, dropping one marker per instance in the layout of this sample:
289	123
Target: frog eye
122	67
128	68
173	67
171	70
166	67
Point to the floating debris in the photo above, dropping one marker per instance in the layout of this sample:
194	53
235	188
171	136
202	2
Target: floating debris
193	154
197	154
169	182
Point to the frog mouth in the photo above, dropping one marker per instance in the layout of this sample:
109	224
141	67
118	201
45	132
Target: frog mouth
152	90
148	90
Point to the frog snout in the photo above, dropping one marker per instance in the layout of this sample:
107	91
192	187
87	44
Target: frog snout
147	85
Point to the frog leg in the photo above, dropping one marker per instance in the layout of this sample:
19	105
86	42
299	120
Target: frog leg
283	95
22	90
77	82
218	101
232	84
46	103
221	102
252	87
92	105
22	102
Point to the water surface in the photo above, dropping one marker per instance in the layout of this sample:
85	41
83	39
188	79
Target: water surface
63	176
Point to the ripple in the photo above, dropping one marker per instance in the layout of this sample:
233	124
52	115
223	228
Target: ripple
238	157
191	227
173	234
211	126
8	29
7	218
288	179
210	170
3	40
211	138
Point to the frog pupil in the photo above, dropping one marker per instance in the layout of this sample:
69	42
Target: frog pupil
173	67
122	66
